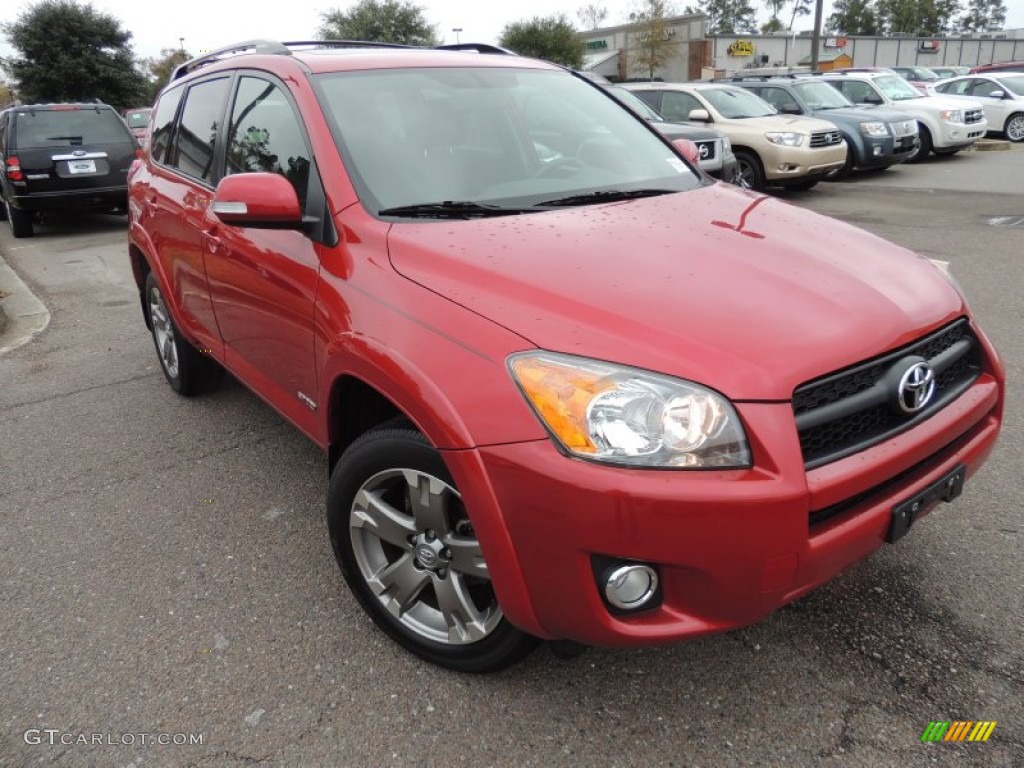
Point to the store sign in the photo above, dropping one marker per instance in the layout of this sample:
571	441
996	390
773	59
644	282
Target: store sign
741	48
928	46
597	45
835	42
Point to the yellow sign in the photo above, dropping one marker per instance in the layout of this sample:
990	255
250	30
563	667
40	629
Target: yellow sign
741	48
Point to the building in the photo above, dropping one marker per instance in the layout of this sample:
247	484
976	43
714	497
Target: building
615	51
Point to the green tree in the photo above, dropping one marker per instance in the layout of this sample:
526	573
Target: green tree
916	17
775	8
379	21
70	52
6	95
728	16
592	16
983	16
161	68
652	44
552	38
853	17
800	8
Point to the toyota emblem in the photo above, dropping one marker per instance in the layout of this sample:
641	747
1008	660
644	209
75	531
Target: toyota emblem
916	387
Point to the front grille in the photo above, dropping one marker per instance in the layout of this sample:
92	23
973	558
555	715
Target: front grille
852	409
825	138
973	116
706	150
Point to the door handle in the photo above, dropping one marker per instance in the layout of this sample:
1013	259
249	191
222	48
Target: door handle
211	239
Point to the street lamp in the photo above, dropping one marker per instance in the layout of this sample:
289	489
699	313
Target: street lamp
456	30
181	44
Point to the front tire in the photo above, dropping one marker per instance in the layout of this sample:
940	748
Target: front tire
407	549
187	370
925	146
749	173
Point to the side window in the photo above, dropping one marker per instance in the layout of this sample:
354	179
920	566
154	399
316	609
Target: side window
857	92
779	99
676	106
958	88
163	123
265	135
652	98
195	142
983	88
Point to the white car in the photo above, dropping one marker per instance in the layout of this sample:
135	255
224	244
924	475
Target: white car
946	125
1001	94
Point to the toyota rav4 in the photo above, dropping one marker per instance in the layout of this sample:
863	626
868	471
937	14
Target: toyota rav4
569	388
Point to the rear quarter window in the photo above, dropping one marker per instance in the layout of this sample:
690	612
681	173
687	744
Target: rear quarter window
163	123
36	129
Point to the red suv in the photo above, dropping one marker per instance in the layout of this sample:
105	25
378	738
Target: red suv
570	388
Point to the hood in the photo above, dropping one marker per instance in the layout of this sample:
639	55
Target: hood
737	291
865	114
942	102
798	123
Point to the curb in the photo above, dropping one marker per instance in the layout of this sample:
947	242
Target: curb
22	314
995	145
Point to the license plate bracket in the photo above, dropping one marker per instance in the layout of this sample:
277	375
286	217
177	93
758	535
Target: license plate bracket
946	488
81	166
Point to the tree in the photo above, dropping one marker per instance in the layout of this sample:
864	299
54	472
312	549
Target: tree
379	21
71	52
652	43
160	69
983	16
592	16
800	8
552	38
6	95
853	17
775	7
728	16
916	17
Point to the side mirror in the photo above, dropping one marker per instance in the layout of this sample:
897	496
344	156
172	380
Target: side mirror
261	200
996	95
873	99
688	149
699	116
791	109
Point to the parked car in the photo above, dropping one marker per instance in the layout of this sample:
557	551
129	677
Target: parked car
63	157
713	147
945	126
1004	66
594	398
922	78
875	137
947	72
1000	93
771	149
138	122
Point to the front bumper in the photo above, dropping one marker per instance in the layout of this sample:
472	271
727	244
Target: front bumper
959	134
882	152
730	546
782	164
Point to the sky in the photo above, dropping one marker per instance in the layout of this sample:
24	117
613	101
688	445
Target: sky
206	24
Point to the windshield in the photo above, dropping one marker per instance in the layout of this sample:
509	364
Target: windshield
920	73
71	127
896	88
635	103
736	103
138	118
501	137
1015	84
822	96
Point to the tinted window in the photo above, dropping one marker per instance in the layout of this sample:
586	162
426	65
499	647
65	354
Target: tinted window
196	139
36	128
677	106
264	135
957	87
163	123
780	99
1015	84
137	118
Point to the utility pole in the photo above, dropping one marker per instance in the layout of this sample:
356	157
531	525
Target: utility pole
816	37
456	30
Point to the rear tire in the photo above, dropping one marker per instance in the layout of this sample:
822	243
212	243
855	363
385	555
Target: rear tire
1014	128
925	137
20	221
407	549
187	370
749	172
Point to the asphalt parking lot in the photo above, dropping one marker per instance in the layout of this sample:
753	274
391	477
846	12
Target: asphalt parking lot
165	568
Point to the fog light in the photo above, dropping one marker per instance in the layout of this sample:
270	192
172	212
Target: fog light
877	151
629	587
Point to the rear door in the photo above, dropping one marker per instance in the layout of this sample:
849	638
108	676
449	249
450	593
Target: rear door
72	148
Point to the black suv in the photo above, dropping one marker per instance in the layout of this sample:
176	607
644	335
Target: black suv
875	137
60	157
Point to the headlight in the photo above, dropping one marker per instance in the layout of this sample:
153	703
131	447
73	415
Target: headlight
785	139
874	129
621	415
726	145
952	115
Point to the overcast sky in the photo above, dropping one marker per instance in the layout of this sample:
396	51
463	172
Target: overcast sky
207	24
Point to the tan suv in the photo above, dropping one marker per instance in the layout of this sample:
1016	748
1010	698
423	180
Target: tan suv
771	149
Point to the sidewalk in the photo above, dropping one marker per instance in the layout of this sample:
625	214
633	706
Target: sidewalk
22	315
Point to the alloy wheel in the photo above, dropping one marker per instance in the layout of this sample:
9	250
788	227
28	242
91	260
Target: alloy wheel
163	332
416	550
1015	128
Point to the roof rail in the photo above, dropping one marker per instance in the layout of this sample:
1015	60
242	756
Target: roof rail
253	46
478	47
342	44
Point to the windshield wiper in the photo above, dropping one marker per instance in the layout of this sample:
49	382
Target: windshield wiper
450	209
606	196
